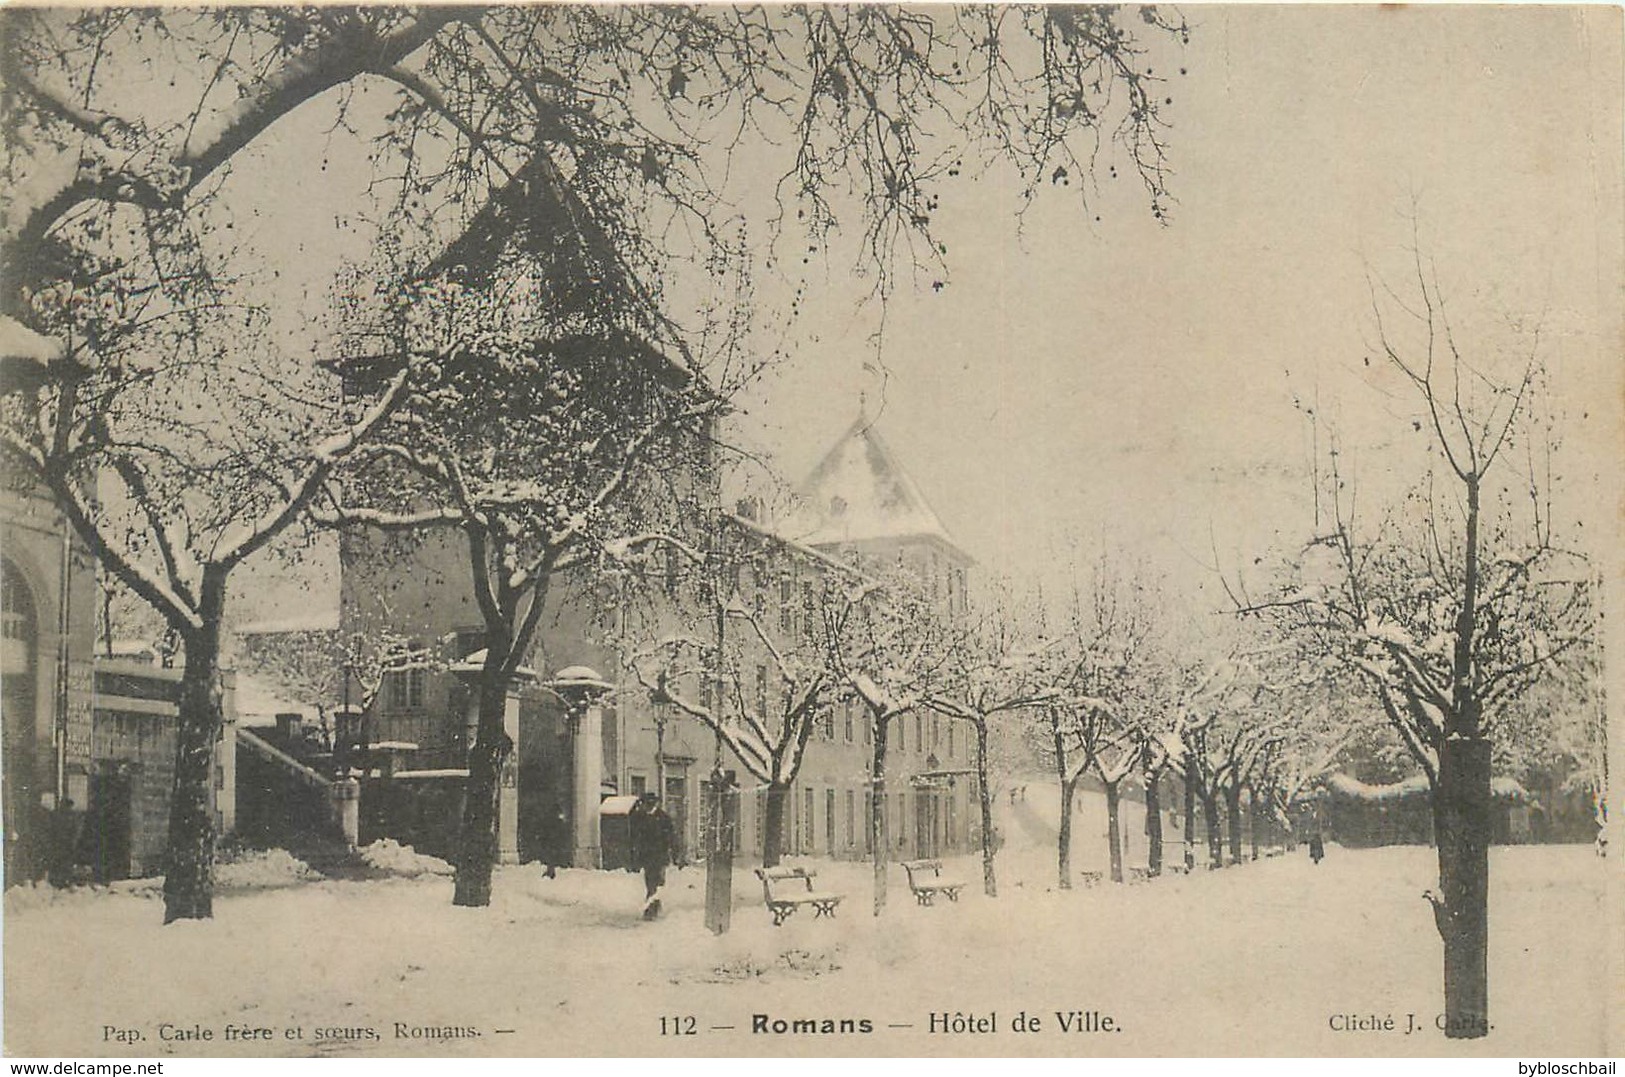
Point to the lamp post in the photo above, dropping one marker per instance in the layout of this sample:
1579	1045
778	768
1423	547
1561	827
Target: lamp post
582	689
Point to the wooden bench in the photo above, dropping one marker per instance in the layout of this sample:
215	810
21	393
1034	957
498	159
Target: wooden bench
926	881
784	899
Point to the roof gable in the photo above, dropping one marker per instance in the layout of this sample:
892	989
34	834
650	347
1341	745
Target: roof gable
860	492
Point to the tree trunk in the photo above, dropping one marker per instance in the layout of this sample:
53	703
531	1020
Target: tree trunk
1252	819
1064	842
778	794
1232	797
1190	823
1153	824
189	868
990	884
1215	828
1114	838
477	843
1462	813
879	833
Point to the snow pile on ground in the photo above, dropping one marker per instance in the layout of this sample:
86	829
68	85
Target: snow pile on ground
262	868
1253	958
39	895
390	856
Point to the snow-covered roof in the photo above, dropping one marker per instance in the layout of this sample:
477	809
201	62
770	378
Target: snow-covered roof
475	663
316	619
1505	787
17	341
134	648
860	492
259	701
797	545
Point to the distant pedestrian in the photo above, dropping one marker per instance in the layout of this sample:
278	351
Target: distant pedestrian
555	840
1317	847
654	842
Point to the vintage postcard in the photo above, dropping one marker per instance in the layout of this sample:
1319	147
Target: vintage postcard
640	530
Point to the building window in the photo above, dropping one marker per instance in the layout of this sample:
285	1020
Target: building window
950	740
403	689
829	821
809	619
637	784
869	822
809	821
846	715
851	819
467	641
902	734
787	606
705	692
671	571
919	732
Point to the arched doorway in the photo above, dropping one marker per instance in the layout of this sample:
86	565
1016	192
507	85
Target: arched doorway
19	752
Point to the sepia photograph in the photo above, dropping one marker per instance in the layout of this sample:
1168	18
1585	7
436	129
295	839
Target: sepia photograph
646	530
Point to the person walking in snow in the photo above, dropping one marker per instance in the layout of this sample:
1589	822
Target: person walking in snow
555	840
653	843
1317	847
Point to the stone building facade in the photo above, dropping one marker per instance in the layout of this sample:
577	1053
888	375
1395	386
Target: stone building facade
89	738
859	507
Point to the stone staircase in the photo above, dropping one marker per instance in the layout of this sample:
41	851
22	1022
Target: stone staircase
285	803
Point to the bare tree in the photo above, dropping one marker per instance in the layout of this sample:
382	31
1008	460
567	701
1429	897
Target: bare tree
997	667
886	644
760	691
172	432
1457	601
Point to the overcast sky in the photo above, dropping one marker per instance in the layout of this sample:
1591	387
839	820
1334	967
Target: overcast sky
1089	377
1113	380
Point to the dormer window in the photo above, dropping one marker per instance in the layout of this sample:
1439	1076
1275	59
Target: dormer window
837	506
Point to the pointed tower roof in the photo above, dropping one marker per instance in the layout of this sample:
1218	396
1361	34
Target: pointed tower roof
859	492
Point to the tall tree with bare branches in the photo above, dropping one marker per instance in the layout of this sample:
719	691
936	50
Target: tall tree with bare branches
1459	598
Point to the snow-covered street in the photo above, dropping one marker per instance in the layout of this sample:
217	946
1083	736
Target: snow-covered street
1260	959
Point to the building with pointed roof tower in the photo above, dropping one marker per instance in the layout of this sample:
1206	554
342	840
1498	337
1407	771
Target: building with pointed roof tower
859	501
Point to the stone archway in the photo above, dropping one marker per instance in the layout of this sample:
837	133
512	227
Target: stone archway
19	702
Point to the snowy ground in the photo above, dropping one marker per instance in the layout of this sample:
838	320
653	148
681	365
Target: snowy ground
1250	960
